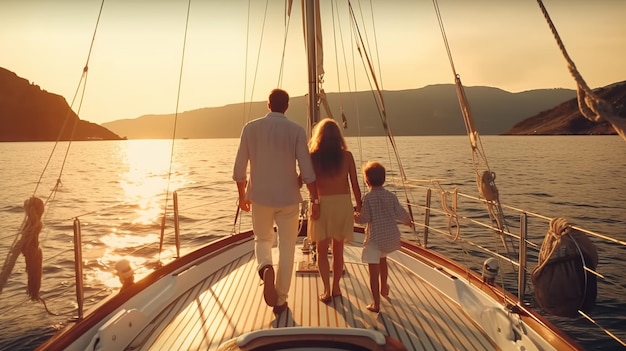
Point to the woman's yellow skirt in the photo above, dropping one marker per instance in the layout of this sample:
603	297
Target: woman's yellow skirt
336	219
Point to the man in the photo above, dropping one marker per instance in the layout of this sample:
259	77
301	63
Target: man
274	146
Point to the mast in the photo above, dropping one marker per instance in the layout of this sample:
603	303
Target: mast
310	34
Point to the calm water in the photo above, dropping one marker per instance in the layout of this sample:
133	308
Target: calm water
117	190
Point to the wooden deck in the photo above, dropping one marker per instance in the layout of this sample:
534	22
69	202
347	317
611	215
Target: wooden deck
229	302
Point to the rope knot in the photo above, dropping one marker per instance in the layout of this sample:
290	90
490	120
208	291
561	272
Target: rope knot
559	227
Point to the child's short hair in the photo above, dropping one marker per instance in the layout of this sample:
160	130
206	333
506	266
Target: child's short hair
374	173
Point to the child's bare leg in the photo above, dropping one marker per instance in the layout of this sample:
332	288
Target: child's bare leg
384	274
374	286
337	266
324	268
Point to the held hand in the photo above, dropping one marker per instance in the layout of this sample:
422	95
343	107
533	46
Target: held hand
244	205
315	211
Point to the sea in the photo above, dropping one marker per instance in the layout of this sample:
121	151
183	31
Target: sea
113	194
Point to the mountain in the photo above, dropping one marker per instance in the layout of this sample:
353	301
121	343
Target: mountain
567	119
28	113
431	110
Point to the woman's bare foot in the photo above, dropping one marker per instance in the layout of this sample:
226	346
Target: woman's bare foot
325	298
384	290
336	293
372	307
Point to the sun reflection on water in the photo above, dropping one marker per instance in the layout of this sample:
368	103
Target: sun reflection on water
144	181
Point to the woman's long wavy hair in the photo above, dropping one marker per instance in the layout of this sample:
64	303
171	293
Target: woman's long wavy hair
326	147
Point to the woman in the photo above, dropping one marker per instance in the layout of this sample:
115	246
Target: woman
335	173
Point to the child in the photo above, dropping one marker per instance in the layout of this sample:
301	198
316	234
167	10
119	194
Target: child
379	212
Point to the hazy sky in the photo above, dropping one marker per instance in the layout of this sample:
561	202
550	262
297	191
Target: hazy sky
135	62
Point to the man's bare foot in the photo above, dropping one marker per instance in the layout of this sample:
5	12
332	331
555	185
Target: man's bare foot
279	309
372	307
336	293
384	291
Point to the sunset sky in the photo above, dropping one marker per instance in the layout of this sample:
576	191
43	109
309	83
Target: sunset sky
135	62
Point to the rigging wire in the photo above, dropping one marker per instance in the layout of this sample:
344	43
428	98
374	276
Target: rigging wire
258	57
169	172
28	243
342	54
82	83
335	19
244	115
337	28
380	103
485	178
245	68
355	34
353	88
287	20
247	114
362	48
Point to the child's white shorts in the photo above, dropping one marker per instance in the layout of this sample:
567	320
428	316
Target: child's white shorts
371	254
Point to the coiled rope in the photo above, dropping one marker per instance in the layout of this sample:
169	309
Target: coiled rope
451	211
27	243
559	227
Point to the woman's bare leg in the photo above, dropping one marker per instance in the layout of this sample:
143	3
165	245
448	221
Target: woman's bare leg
337	266
324	267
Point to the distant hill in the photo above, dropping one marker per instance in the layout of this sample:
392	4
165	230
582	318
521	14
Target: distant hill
29	113
566	119
431	110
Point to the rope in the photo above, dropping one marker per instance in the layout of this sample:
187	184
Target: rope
489	191
28	245
559	227
453	218
590	106
485	178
